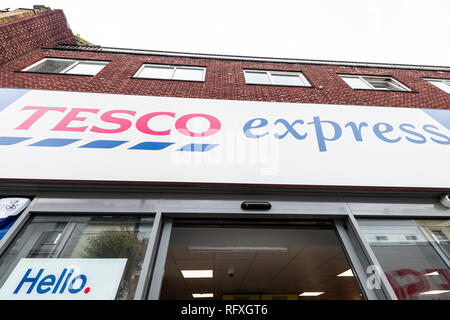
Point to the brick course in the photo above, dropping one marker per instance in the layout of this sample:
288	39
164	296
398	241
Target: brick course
22	36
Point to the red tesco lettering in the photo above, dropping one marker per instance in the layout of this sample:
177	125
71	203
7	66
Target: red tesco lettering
122	119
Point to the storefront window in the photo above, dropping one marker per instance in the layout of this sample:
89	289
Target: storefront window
84	242
414	255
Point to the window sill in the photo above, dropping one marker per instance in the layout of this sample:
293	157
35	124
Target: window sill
403	91
55	73
280	85
142	78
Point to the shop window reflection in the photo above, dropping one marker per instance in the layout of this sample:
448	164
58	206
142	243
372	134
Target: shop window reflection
414	255
85	238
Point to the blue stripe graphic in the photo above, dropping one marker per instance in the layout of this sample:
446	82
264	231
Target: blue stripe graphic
440	115
103	144
54	142
197	147
107	144
7	141
151	145
8	96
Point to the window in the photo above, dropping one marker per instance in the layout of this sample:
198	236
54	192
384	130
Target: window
443	84
440	236
280	78
78	242
418	269
67	66
373	83
167	72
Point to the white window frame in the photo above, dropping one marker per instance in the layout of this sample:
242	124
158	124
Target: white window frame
269	74
446	81
75	62
401	86
174	68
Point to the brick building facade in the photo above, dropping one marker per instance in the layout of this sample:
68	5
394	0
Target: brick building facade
29	40
20	37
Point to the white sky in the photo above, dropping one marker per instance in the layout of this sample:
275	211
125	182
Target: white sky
395	31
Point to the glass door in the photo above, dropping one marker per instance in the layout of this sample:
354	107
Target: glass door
244	260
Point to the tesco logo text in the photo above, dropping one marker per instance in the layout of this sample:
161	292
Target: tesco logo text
324	131
72	121
63	283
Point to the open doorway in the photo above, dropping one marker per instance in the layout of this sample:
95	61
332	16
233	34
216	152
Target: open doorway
243	261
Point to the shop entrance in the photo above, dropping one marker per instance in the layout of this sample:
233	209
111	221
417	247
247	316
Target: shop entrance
238	260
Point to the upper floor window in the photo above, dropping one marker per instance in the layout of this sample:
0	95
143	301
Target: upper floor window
281	78
443	84
168	72
373	83
67	66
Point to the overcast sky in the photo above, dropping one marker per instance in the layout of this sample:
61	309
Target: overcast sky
395	31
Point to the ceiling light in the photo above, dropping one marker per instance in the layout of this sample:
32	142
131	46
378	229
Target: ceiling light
434	292
238	249
347	273
435	273
310	294
203	295
197	273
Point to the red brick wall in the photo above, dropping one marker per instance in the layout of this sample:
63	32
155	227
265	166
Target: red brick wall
225	80
19	37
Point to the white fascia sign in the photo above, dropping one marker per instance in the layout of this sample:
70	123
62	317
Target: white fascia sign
76	136
64	279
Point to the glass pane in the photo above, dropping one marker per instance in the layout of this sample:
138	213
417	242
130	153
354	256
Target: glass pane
193	74
87	238
356	83
441	85
256	77
156	72
288	79
52	66
385	84
87	68
243	263
414	255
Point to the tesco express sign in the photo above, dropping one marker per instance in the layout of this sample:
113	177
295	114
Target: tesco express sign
162	139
